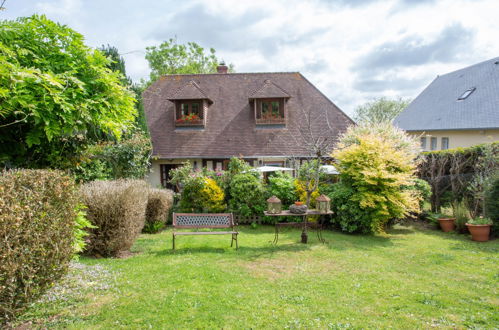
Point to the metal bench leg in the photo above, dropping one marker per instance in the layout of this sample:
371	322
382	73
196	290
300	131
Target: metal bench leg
232	241
173	241
237	246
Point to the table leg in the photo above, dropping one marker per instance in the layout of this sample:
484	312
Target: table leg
304	234
276	234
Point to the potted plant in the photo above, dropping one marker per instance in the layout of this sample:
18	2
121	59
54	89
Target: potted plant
446	222
298	203
479	229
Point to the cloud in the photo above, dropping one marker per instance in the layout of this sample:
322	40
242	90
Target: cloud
415	50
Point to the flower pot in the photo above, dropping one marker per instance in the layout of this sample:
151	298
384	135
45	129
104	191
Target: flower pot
479	233
298	203
447	224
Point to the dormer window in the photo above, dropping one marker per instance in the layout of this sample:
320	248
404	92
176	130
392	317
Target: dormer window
270	111
189	113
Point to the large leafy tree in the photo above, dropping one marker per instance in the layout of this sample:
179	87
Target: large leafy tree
173	58
380	110
117	63
56	94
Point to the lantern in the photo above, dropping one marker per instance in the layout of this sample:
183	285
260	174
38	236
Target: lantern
323	204
274	205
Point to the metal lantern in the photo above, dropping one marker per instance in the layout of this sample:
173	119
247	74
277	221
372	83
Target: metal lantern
274	205
323	204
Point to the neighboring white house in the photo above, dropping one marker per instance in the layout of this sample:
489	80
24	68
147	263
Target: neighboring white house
458	109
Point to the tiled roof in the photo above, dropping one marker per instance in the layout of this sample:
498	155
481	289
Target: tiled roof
190	91
269	90
438	107
230	128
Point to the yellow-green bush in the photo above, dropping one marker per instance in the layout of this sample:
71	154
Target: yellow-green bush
212	197
302	193
375	165
37	234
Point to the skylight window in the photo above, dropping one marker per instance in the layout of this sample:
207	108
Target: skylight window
466	94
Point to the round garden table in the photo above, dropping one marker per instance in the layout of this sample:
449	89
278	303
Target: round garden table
304	224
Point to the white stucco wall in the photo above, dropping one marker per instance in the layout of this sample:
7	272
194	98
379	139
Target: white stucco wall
459	138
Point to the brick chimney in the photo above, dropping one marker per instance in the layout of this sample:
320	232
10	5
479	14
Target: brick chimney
222	68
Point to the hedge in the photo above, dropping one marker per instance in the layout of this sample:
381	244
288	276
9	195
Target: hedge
37	226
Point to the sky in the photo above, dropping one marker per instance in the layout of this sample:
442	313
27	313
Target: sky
353	51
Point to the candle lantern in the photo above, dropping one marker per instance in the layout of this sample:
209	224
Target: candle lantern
323	204
274	205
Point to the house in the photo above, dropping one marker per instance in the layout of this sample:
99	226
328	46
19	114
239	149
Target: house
458	109
265	118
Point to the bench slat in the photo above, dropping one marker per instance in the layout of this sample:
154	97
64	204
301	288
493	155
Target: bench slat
204	233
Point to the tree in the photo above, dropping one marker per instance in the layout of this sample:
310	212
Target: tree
56	95
380	110
117	64
173	58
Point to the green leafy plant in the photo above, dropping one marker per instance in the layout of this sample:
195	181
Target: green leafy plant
480	221
247	195
462	215
491	201
82	224
282	185
57	95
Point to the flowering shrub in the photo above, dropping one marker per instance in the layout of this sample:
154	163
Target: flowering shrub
212	197
375	165
200	190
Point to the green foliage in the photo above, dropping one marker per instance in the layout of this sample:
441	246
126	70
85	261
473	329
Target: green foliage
380	110
56	94
173	58
373	173
80	229
128	158
423	189
117	209
480	221
212	197
462	215
282	185
116	63
38	209
200	192
247	195
492	204
159	204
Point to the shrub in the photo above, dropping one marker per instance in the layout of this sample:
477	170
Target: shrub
282	185
423	189
301	192
212	197
375	163
247	195
117	208
462	214
37	224
159	203
492	204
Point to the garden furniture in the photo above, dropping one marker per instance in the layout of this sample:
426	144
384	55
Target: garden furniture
304	224
204	221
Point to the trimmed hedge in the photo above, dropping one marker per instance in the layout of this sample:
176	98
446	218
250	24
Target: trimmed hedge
117	208
159	203
37	225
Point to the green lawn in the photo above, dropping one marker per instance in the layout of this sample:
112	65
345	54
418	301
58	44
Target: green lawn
413	278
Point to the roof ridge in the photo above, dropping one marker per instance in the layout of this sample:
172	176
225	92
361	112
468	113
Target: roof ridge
470	66
227	74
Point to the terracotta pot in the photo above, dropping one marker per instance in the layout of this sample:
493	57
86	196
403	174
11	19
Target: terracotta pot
479	233
447	224
298	203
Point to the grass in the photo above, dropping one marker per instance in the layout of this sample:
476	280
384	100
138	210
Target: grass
412	278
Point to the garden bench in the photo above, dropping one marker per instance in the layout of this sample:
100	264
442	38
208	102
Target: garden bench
204	221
